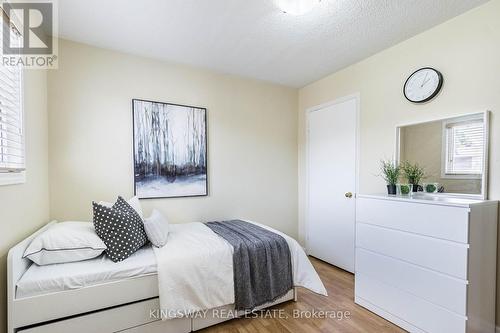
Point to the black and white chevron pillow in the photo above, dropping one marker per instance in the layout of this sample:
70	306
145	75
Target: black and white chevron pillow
120	228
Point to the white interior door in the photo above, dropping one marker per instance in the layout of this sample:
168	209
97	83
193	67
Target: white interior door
331	177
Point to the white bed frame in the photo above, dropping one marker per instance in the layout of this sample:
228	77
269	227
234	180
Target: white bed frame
118	306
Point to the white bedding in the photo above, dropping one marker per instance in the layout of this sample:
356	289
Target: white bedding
195	270
39	280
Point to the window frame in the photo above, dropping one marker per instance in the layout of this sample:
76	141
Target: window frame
16	177
444	146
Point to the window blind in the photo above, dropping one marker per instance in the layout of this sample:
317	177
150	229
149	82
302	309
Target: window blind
12	152
465	148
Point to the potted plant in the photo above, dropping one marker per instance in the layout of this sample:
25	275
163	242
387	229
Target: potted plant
390	173
414	173
404	189
431	187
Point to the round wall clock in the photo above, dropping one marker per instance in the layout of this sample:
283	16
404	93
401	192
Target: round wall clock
423	85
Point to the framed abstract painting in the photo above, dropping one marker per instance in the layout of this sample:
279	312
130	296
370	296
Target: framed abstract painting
170	150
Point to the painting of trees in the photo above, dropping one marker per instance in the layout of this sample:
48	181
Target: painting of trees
170	150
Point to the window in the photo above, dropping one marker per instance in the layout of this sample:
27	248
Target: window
12	152
464	148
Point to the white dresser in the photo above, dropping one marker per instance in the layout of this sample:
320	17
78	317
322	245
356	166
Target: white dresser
427	264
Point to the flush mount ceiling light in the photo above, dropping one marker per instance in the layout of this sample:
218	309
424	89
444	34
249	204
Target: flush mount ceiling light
296	7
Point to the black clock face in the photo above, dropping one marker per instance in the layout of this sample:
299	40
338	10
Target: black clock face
423	85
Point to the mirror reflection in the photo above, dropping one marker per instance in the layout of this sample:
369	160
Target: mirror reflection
450	151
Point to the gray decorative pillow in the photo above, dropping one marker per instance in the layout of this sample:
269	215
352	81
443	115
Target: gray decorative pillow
133	202
156	227
120	228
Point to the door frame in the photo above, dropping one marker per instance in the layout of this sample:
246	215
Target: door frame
357	98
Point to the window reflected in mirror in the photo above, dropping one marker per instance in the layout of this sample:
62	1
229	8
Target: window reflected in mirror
451	151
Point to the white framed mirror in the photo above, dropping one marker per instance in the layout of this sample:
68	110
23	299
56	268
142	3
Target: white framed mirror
453	153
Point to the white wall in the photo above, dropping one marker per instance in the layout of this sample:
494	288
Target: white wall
465	49
252	137
24	208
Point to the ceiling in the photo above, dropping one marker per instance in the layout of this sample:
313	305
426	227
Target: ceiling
254	38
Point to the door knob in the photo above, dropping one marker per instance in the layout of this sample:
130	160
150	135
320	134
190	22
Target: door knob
348	195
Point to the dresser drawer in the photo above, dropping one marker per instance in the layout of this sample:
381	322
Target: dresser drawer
414	310
434	287
436	254
438	221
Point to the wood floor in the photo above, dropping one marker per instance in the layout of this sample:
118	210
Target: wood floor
340	287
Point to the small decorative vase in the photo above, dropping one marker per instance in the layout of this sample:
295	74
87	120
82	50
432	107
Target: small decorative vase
405	189
391	189
431	187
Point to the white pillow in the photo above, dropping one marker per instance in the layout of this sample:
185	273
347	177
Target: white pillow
65	242
156	227
134	202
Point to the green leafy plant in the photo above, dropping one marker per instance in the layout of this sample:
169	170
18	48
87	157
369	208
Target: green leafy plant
414	173
404	188
430	188
390	171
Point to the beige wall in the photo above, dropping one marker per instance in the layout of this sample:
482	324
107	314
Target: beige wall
422	144
252	137
466	50
24	208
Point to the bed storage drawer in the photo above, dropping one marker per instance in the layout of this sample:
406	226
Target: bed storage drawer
440	289
161	326
214	317
438	221
436	254
227	312
424	315
116	319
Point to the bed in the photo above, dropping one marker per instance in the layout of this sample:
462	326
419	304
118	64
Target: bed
95	296
48	279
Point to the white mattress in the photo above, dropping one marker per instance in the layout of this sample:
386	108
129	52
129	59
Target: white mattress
39	280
